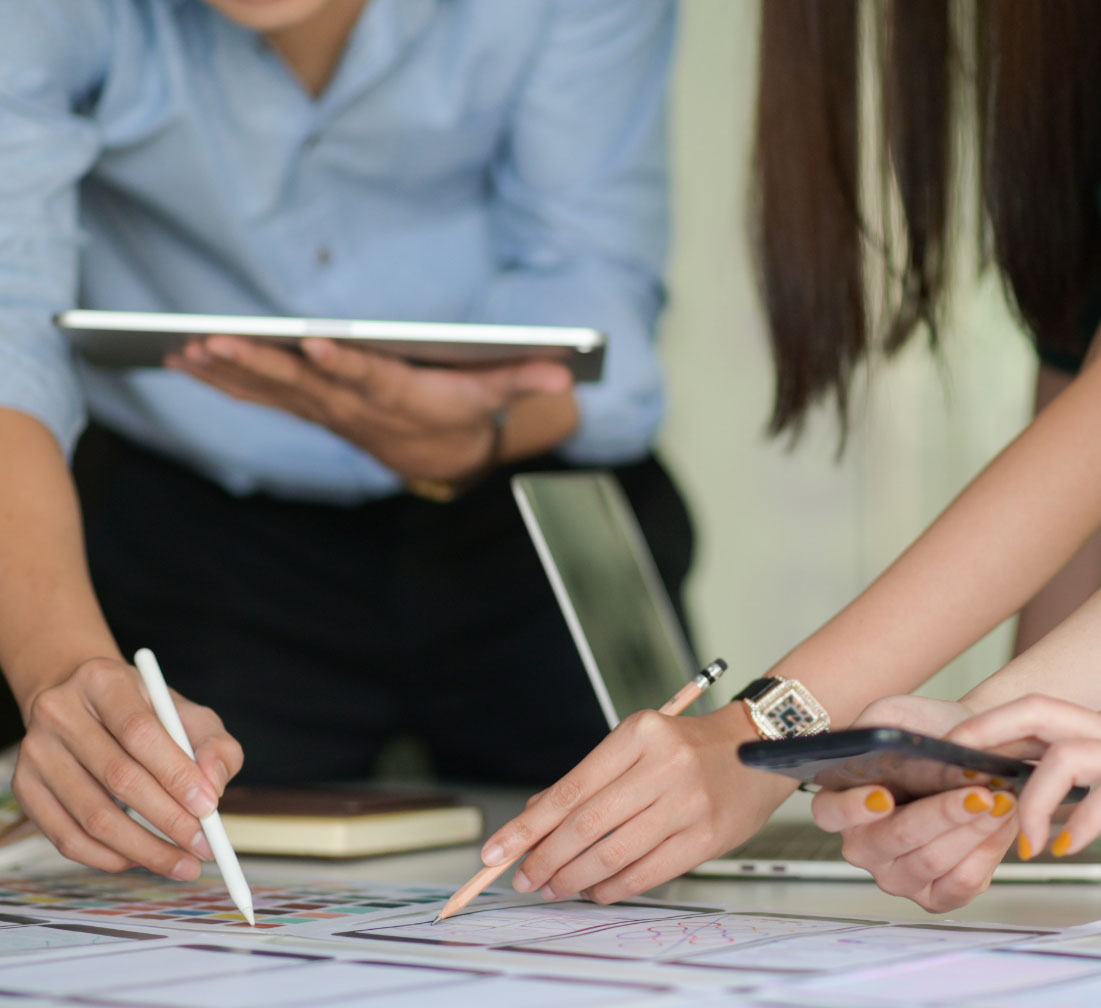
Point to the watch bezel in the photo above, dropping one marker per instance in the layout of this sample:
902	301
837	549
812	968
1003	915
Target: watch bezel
758	710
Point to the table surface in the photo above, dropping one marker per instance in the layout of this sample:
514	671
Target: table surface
1050	905
1030	904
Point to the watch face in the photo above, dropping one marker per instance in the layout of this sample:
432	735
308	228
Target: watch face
790	715
788	710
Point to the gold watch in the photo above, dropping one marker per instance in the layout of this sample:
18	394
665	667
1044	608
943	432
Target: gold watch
783	708
441	490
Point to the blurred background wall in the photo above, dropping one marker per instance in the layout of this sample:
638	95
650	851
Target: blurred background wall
789	536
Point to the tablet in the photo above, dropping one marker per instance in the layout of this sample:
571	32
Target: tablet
142	339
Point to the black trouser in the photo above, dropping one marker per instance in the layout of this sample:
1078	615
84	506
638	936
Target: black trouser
318	632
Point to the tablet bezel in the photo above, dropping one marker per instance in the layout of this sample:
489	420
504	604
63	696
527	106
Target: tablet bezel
143	339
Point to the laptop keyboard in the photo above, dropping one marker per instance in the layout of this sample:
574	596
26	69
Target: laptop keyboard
798	840
789	841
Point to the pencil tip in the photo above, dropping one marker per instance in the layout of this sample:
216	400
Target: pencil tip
250	916
439	917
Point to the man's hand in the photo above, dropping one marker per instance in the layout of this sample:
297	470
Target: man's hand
422	422
657	797
94	741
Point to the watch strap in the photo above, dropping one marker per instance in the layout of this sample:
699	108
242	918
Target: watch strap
757	689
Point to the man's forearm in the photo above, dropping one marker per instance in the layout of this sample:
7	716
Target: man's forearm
49	618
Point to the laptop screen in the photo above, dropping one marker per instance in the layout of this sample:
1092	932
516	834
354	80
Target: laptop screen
608	587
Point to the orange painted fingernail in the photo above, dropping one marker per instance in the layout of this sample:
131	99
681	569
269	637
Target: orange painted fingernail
997	782
878	801
1024	848
1061	845
976	803
971	774
1002	805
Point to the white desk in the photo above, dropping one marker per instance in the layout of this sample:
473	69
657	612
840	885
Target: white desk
1030	904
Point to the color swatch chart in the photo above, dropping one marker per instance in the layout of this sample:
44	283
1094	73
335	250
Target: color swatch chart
141	898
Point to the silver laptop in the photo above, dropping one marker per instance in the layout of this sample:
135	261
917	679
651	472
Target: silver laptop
637	656
608	587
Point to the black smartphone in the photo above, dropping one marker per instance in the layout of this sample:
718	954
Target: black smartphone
909	765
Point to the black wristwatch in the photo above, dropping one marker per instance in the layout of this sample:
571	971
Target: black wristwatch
783	708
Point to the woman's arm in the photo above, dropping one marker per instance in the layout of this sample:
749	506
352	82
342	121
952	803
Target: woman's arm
1081	576
1016	524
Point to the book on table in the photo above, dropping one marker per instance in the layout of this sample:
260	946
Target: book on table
334	822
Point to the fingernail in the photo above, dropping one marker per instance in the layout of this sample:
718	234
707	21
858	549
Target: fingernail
1061	845
1002	805
878	801
493	854
1024	848
997	782
186	870
520	882
976	803
548	893
200	802
201	846
971	774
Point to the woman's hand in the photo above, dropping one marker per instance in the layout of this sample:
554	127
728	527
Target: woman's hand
657	797
939	851
1067	740
422	422
93	741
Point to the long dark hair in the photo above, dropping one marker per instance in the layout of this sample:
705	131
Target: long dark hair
1037	76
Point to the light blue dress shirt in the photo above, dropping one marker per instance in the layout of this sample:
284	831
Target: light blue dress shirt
481	160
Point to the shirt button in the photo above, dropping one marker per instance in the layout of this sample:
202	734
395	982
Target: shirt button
323	256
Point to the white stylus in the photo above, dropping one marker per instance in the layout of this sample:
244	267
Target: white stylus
224	855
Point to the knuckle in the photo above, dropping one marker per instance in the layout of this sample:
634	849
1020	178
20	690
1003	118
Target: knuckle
97	674
519	837
49	707
650	723
98	822
968	881
180	826
612	855
856	853
936	903
565	794
235	755
139	729
120	777
180	780
589	823
894	886
68	846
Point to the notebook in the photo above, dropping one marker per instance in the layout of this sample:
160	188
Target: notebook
343	823
637	656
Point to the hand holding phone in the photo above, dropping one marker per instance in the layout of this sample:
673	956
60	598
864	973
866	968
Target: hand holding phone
908	764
